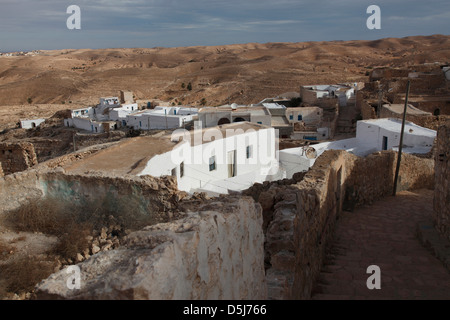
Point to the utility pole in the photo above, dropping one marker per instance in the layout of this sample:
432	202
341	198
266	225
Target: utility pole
400	147
74	147
380	97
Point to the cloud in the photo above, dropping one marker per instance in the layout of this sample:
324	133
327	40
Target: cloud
181	22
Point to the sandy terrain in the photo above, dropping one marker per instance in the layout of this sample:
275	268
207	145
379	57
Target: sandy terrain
242	73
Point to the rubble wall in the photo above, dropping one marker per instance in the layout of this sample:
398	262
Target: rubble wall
15	157
305	213
216	253
442	189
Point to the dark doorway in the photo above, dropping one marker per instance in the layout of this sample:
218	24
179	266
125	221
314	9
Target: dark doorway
437	112
223	121
385	143
239	120
231	164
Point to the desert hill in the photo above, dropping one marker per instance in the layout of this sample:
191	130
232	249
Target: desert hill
242	73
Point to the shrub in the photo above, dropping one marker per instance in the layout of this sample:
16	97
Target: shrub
23	273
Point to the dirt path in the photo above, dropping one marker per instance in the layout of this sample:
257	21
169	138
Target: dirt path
384	235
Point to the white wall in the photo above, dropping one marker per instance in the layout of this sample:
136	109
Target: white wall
369	139
292	161
265	120
84	112
196	162
373	134
149	121
28	124
86	124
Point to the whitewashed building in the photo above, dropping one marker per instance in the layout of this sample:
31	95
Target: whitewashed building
161	118
313	94
217	160
108	115
371	136
213	116
29	124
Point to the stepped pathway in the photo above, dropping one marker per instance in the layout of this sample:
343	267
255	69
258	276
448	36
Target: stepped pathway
383	234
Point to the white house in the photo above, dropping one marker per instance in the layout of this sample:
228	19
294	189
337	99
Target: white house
312	94
220	159
213	116
161	118
28	124
109	114
85	123
371	136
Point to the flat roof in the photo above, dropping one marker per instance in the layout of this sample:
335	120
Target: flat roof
254	109
280	121
396	125
129	156
231	127
398	108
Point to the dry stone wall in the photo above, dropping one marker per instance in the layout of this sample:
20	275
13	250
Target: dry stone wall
442	188
15	157
216	253
305	212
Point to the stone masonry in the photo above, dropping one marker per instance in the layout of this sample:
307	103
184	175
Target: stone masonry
15	157
442	187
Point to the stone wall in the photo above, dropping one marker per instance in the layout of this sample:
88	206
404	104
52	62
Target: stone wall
15	157
304	213
442	189
367	111
18	188
216	253
146	194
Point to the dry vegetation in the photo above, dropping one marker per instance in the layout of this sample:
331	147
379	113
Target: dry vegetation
241	73
74	226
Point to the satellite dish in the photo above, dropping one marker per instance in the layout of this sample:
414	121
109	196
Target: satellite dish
311	153
234	106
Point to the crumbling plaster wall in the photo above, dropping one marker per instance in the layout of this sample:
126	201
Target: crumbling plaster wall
216	253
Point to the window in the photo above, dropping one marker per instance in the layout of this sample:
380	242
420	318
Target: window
212	163
259	122
174	172
181	170
299	117
291	117
249	152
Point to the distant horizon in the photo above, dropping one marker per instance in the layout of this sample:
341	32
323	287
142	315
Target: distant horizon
225	44
27	25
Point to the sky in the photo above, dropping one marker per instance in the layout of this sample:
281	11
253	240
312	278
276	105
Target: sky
27	25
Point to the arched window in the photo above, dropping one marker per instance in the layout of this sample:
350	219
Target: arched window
223	121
